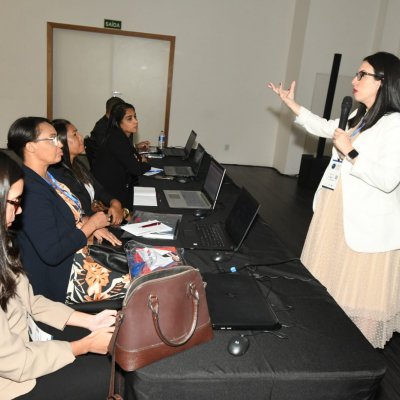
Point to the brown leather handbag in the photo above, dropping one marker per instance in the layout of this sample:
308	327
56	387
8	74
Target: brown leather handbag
163	313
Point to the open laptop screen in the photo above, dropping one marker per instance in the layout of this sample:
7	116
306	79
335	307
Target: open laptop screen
197	158
241	217
213	182
190	142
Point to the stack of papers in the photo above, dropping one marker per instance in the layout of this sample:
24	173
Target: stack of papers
149	229
144	196
170	220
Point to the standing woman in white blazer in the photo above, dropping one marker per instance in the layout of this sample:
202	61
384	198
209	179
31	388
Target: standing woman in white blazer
353	243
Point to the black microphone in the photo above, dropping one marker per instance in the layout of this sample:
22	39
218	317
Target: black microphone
344	114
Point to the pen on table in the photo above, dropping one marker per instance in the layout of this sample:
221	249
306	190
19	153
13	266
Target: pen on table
149	225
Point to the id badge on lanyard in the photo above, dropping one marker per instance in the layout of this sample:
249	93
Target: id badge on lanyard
35	333
331	176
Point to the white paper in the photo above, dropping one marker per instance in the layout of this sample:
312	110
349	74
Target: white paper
160	235
144	196
153	171
148	227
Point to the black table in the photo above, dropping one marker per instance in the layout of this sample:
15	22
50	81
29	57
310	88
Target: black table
318	354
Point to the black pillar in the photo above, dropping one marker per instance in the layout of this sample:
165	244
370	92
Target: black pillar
312	168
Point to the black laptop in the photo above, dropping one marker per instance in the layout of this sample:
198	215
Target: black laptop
186	171
236	302
181	152
228	235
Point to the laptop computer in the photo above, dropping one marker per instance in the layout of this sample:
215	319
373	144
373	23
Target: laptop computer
236	302
204	199
186	171
228	235
181	152
149	150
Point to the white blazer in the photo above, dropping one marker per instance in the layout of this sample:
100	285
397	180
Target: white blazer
371	189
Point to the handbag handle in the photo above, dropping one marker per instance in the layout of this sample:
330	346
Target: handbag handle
111	388
154	307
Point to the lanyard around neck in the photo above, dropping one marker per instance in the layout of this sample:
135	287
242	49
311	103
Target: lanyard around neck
358	130
70	195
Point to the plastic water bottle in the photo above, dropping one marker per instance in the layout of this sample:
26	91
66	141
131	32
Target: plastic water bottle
161	140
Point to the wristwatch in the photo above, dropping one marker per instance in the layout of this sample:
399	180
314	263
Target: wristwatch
352	155
126	213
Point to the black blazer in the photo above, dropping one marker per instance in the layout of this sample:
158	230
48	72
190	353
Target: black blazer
48	237
66	176
117	167
99	131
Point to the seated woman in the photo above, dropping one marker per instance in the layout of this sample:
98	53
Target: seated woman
118	164
54	228
99	132
28	363
74	174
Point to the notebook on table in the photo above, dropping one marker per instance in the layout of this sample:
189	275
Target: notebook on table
187	171
227	235
178	152
236	302
204	199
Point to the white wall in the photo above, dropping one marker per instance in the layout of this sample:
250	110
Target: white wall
226	51
347	27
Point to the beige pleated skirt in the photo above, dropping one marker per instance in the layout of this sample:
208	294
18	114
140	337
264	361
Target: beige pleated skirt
365	285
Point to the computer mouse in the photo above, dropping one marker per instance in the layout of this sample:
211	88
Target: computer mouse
200	213
218	257
181	180
238	345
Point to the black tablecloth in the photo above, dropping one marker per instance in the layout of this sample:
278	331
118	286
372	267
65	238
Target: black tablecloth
317	354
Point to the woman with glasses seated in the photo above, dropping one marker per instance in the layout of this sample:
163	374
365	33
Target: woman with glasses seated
32	366
53	227
73	173
353	244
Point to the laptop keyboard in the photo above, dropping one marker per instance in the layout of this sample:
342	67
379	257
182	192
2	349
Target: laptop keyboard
182	170
193	199
170	151
210	235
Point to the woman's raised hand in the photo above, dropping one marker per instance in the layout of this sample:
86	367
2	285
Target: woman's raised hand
286	95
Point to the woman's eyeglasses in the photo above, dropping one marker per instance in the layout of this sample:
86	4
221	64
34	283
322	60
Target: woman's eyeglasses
360	74
16	203
54	139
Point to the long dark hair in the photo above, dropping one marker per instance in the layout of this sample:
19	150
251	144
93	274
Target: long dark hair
10	265
111	102
23	131
76	167
387	69
118	113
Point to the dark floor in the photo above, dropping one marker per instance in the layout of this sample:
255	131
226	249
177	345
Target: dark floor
287	208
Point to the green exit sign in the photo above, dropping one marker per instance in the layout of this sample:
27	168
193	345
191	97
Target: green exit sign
110	23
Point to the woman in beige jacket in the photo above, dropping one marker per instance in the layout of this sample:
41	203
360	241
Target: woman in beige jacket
28	356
